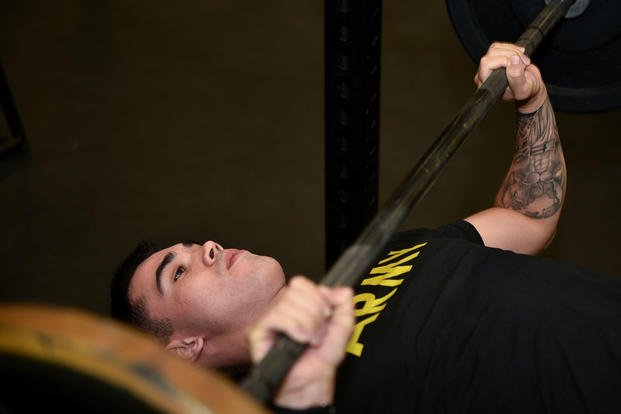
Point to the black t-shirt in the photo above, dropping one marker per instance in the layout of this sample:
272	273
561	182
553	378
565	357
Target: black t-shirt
444	324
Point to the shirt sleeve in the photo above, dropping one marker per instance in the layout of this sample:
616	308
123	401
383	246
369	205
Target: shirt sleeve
457	230
460	230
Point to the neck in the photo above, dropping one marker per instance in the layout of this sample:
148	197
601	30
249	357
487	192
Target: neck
225	350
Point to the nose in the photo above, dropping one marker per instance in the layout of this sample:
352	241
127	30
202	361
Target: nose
210	248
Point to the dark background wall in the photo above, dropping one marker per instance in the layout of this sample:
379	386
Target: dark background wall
204	120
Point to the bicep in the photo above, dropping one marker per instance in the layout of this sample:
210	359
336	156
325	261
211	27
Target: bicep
510	230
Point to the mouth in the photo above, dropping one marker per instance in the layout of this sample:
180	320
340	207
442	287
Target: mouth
232	256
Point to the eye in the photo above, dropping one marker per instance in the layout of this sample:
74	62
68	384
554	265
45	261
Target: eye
178	273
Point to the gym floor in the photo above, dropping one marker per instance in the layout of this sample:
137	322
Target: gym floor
204	120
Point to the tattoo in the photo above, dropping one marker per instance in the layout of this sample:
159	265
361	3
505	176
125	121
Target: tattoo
535	183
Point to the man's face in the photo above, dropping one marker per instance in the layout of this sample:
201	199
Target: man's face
205	289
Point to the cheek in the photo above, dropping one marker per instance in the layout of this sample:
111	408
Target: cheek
201	310
232	300
192	298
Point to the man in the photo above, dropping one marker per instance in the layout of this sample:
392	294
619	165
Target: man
454	319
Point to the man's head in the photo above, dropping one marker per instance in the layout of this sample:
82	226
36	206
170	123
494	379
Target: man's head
197	299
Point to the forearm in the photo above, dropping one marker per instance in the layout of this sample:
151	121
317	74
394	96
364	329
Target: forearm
528	205
535	183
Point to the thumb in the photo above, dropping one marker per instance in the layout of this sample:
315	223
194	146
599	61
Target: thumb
519	83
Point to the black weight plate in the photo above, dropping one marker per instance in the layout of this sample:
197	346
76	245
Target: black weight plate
580	60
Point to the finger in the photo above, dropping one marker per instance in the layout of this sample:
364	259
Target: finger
502	46
298	312
297	323
497	56
260	340
508	49
340	325
337	296
306	294
488	63
279	320
301	311
340	299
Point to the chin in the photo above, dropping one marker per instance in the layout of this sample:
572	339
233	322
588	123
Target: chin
273	273
265	282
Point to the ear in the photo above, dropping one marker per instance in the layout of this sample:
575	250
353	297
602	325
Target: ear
189	348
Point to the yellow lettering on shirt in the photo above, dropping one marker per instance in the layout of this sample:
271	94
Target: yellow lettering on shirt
388	272
354	347
398	253
371	305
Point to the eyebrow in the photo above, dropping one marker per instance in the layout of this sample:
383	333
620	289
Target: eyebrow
158	272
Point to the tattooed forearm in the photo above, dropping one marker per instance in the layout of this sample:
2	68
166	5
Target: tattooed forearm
535	183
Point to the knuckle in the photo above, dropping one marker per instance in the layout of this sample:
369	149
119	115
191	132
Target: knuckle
296	281
299	331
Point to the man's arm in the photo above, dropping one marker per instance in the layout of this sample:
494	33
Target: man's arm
528	204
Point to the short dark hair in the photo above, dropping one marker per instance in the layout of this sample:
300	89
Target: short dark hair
122	309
